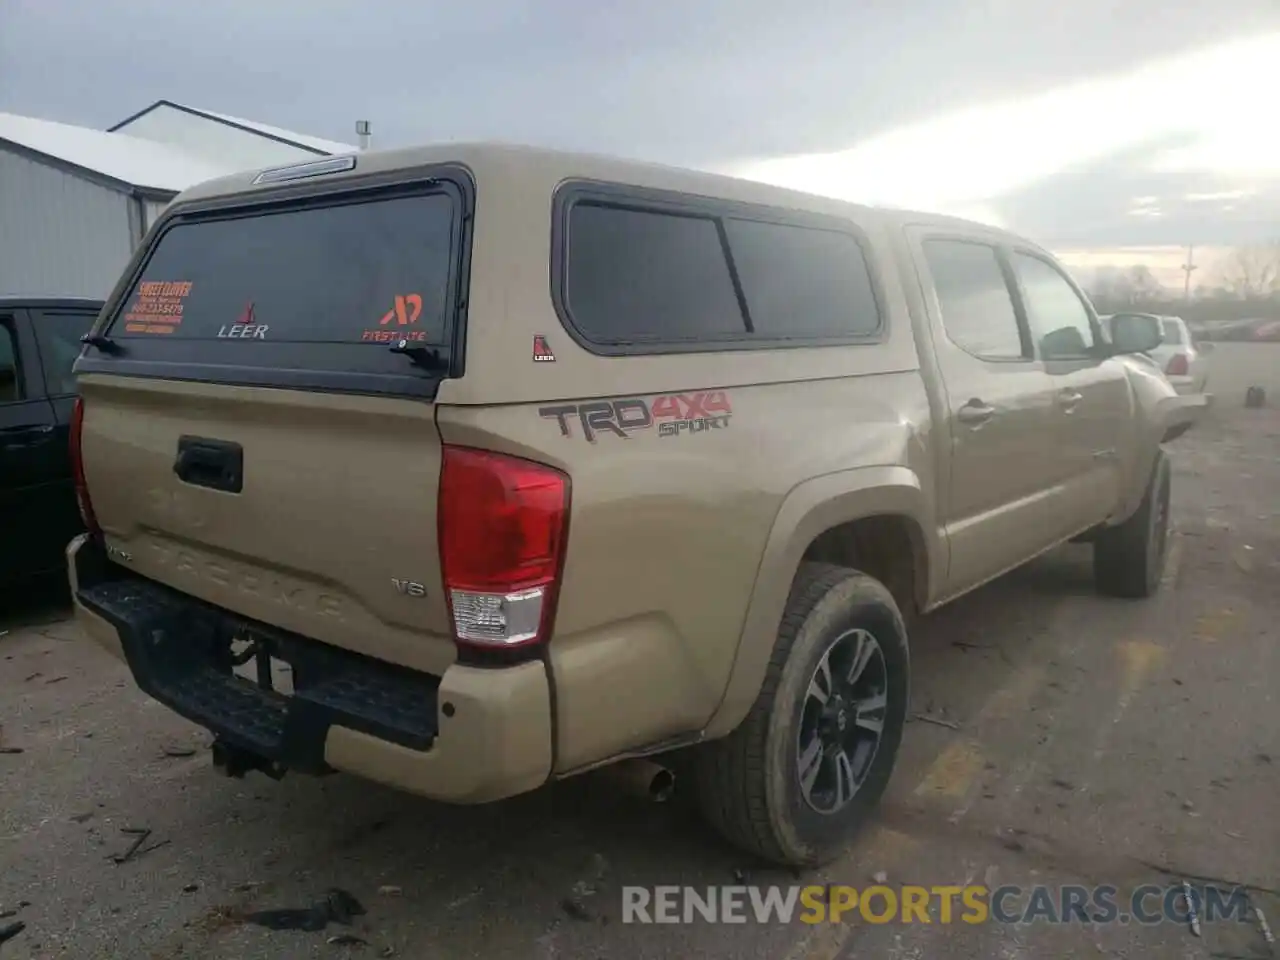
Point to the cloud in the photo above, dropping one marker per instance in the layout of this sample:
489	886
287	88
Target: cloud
700	82
1103	157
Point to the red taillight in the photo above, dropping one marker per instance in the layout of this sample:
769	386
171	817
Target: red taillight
1177	366
77	469
502	526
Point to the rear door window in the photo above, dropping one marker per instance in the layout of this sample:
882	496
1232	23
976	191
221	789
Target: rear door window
58	338
304	296
1172	332
975	300
10	372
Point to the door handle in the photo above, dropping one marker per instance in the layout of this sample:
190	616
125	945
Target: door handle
1068	399
216	464
35	431
975	413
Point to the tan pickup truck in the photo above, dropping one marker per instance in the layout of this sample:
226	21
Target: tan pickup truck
466	469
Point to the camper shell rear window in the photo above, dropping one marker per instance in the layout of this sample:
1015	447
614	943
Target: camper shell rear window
310	294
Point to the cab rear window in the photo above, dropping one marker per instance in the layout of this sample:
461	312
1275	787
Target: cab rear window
306	295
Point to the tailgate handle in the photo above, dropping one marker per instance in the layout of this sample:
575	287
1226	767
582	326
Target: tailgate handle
216	464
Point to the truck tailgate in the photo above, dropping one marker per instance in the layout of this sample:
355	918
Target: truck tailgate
258	412
334	518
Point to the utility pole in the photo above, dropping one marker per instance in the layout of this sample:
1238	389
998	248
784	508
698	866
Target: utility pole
1187	268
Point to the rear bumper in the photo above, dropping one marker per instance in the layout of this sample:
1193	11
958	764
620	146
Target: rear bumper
470	736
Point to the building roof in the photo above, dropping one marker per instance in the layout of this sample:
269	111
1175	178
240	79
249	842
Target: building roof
302	141
127	161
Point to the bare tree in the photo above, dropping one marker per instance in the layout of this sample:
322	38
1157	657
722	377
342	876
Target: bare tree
1252	273
1144	284
1116	288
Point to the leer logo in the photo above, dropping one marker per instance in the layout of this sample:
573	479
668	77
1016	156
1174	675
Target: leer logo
406	311
541	350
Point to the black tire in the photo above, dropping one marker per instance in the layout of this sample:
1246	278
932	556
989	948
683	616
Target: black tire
748	783
1128	559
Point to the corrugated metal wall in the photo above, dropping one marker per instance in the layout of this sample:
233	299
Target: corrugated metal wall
153	209
60	235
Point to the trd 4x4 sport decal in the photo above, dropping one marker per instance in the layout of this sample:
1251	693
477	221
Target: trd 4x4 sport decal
674	414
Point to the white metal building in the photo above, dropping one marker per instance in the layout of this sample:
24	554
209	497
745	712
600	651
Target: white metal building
224	139
74	202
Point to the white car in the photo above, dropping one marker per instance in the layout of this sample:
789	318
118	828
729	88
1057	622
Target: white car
1182	359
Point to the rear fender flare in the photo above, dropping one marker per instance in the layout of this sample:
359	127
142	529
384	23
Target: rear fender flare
810	508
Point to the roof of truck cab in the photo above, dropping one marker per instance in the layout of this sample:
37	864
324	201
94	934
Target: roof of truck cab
511	159
543	163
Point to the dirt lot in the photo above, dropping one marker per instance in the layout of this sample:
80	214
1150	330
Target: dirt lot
1082	741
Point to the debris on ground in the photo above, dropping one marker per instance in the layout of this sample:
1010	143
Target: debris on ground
937	721
178	752
1262	923
9	931
54	680
1192	917
576	909
575	904
1062	784
11	750
347	940
388	890
337	906
136	850
880	877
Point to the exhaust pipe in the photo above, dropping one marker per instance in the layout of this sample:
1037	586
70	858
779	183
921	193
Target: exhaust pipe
642	778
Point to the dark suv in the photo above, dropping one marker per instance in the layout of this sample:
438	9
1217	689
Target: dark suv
39	342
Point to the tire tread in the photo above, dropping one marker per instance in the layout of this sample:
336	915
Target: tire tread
731	773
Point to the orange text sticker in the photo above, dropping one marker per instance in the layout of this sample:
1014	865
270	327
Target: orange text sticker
157	306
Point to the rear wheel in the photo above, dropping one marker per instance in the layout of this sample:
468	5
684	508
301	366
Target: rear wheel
1128	560
800	775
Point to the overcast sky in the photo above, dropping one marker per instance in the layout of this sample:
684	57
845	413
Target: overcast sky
1084	124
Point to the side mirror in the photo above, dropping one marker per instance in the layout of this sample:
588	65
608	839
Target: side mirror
1135	333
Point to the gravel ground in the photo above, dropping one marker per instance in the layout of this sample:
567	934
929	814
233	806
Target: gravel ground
1083	741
